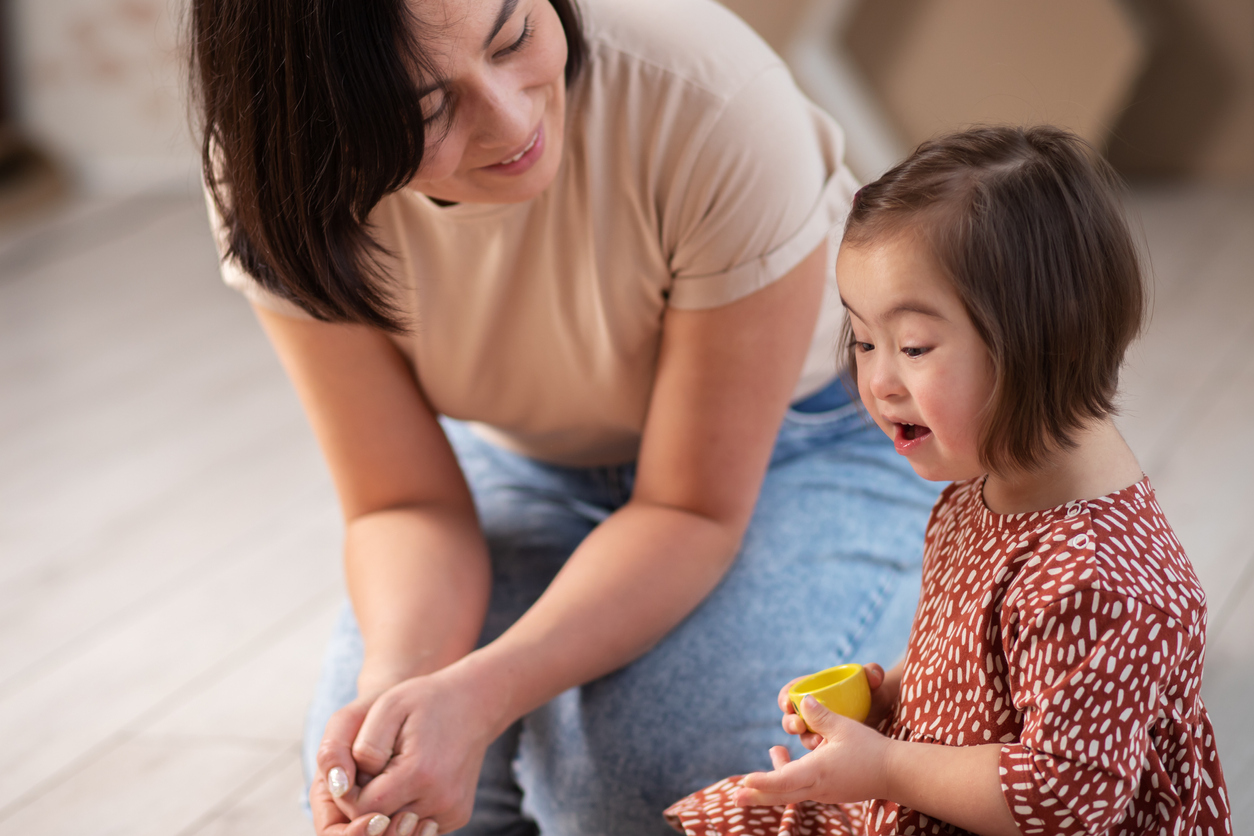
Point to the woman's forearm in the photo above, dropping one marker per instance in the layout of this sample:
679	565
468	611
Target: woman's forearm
419	579
635	577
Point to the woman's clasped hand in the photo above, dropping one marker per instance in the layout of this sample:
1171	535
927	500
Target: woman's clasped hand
411	755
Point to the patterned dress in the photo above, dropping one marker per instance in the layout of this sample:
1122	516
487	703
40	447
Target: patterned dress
1074	637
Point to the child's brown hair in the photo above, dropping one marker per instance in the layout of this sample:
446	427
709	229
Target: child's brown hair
1027	224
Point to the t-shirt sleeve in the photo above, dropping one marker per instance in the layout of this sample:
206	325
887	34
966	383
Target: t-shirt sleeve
766	186
1088	671
235	276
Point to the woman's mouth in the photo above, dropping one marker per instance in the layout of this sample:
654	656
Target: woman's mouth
524	158
908	437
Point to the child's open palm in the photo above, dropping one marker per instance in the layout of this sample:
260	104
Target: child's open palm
846	764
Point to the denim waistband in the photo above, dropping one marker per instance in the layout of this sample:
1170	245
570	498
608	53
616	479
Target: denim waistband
832	396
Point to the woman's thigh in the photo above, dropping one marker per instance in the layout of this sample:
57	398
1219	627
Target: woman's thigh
828	573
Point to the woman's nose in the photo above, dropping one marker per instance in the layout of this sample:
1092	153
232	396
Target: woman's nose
505	119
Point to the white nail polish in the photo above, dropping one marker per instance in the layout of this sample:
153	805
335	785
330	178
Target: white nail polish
337	781
407	824
377	825
429	828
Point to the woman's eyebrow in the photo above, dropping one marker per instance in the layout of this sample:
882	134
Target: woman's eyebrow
507	11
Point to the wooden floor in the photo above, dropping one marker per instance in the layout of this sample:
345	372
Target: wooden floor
169	538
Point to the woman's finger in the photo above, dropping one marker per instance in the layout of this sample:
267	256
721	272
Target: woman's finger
376	738
335	757
330	820
406	822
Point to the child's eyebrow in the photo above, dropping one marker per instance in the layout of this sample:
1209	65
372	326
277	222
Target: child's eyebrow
898	310
915	308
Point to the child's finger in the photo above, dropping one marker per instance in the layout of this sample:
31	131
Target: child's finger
787	784
793	724
819	718
780	757
785	704
874	675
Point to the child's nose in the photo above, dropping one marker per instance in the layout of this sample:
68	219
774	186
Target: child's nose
885	383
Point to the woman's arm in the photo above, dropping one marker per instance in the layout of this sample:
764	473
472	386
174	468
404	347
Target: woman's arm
723	383
416	565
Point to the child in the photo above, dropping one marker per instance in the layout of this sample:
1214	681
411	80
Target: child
1051	683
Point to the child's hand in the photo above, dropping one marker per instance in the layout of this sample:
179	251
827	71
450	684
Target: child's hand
849	766
884	690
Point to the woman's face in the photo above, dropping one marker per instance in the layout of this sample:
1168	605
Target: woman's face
496	137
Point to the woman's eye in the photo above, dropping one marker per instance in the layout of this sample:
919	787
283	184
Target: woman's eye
520	43
433	105
914	352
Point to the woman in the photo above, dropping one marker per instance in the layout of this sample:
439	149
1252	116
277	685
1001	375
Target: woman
547	289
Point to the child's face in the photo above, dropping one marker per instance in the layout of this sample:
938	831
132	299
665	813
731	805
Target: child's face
924	374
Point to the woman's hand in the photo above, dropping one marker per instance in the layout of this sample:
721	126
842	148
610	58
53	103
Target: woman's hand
849	763
884	690
413	754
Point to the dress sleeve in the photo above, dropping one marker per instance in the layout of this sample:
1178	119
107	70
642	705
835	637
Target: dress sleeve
1088	672
766	186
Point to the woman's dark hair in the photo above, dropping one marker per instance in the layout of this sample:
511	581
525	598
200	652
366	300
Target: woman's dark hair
1027	224
310	115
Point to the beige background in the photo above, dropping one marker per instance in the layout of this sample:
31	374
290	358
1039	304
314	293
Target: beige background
99	84
99	81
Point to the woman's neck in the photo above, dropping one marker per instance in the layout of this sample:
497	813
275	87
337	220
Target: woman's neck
1100	463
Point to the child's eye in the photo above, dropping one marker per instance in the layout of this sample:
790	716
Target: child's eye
520	43
911	351
862	347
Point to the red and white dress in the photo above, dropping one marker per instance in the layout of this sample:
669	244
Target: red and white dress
1074	637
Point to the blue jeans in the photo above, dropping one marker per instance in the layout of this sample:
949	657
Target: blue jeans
828	573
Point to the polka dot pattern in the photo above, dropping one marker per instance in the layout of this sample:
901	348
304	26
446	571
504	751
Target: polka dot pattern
1075	638
713	811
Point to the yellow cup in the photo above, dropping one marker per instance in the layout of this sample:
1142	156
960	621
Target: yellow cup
843	689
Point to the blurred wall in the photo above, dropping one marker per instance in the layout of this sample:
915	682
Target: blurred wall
99	82
1165	86
99	85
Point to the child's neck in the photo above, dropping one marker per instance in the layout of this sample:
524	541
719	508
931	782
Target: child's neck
1100	463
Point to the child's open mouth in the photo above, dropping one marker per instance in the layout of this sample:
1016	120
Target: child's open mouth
910	436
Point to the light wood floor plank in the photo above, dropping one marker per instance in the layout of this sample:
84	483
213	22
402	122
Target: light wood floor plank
180	645
271	808
149	786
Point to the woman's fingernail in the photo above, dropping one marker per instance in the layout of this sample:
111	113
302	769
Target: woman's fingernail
337	781
377	825
429	828
406	825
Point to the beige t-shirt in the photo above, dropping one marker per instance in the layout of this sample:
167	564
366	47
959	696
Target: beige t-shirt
694	173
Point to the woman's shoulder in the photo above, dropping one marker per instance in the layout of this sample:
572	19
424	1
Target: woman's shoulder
699	42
